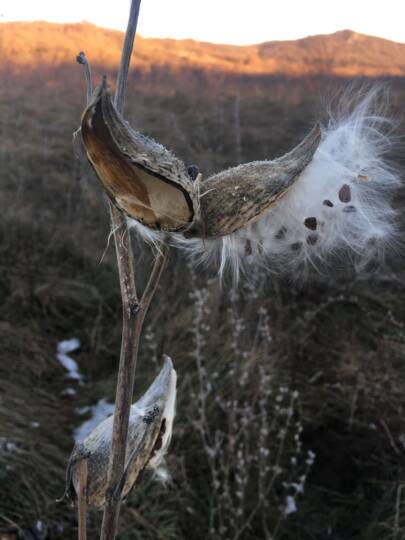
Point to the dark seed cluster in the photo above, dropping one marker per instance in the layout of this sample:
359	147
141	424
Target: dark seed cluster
312	223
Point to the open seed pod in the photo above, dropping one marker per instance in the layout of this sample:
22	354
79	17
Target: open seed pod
238	196
328	199
154	187
140	176
149	433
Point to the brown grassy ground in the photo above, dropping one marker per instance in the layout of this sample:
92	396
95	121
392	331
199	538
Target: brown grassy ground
339	341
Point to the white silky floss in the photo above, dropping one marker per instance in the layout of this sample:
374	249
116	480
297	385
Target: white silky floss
339	206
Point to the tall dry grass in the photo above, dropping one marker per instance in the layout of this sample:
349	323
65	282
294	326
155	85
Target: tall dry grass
241	358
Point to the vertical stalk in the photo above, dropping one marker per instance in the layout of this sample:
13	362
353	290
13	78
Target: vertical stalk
134	312
82	500
132	330
126	54
133	309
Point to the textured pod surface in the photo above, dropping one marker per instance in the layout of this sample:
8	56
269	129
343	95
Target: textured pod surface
140	176
152	186
149	433
238	196
339	209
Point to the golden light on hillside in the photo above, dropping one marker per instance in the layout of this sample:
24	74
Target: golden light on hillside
343	53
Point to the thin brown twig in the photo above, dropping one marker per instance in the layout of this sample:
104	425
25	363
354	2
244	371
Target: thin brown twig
82	60
119	98
82	500
132	318
134	311
125	384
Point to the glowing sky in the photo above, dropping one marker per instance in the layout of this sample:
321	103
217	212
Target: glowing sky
224	21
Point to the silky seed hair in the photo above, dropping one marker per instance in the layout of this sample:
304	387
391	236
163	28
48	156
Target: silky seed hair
340	207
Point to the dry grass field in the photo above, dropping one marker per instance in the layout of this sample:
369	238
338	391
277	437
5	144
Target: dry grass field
291	395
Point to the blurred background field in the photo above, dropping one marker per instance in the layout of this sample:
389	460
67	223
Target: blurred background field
291	395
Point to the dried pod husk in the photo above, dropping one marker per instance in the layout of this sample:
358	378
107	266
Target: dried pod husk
149	433
328	216
238	196
140	176
154	187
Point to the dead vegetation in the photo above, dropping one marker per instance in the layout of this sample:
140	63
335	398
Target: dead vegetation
338	343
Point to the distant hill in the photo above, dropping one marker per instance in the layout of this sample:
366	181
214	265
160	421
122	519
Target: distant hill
343	53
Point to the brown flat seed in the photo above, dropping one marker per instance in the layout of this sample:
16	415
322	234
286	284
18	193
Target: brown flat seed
362	177
345	194
310	223
281	233
349	209
296	246
326	202
312	239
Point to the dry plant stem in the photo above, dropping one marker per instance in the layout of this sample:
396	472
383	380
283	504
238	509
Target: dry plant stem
82	60
133	322
126	54
82	500
134	312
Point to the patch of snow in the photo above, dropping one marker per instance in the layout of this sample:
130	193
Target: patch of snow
99	412
291	506
68	346
70	365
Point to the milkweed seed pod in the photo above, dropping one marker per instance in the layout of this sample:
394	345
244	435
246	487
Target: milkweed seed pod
149	434
329	197
140	176
154	187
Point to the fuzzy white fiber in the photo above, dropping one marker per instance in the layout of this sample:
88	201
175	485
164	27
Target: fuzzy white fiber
339	207
157	461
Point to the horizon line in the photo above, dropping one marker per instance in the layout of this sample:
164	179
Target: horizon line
140	34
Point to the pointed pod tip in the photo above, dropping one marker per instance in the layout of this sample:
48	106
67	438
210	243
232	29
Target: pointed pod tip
168	362
162	386
167	372
304	151
101	91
